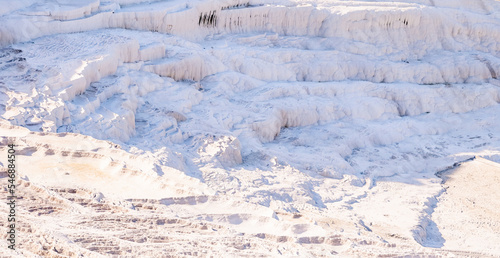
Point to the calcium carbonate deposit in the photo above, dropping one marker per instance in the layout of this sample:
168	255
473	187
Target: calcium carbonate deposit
260	128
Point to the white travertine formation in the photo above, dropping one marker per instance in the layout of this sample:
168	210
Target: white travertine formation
253	128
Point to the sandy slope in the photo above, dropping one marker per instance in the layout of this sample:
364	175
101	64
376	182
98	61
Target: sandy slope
260	128
466	213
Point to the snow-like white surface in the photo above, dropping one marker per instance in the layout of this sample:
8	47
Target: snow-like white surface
316	125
